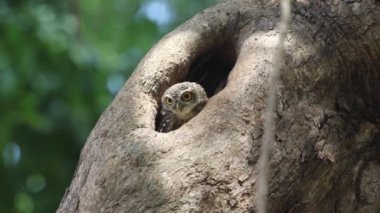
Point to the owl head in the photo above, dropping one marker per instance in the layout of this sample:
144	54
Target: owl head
184	99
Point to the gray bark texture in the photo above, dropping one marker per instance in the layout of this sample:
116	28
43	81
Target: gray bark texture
326	156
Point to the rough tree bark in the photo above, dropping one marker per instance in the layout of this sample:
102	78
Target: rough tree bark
326	157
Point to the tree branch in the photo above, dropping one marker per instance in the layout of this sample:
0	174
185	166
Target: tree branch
269	130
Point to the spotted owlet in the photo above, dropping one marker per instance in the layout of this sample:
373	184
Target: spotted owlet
180	103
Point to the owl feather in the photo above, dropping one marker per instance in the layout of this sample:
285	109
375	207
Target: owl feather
180	103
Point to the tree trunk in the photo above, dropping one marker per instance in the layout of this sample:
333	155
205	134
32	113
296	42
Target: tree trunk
326	157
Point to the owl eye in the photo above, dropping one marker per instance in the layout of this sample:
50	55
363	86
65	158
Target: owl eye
169	101
186	96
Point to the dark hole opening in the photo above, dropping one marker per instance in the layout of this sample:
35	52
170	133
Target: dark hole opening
211	71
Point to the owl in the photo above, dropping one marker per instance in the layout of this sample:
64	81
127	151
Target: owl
180	103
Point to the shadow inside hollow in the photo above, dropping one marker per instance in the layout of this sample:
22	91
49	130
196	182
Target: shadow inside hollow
211	70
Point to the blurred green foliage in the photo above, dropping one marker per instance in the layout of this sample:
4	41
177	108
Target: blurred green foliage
61	63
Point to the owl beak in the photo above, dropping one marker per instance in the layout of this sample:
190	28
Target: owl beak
178	107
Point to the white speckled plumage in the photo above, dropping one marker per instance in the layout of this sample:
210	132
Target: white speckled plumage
180	103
